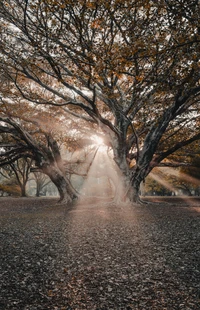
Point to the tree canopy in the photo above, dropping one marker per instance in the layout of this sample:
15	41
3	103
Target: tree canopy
130	67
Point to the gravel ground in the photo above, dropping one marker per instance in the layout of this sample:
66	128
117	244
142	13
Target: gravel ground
99	256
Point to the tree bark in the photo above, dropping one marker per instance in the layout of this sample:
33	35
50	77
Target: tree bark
37	190
66	191
128	189
23	190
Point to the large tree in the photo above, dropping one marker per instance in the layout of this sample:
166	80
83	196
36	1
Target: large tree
39	146
131	67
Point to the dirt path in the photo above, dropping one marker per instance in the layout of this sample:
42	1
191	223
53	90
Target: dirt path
100	257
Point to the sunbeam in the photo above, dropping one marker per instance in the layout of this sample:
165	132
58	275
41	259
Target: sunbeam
102	177
97	140
184	177
181	175
163	182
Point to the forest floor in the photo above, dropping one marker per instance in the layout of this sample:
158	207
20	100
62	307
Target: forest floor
99	256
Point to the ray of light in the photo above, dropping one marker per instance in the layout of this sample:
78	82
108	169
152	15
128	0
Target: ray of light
102	177
181	175
163	182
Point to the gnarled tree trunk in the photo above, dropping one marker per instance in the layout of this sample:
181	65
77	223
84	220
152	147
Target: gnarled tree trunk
66	191
131	178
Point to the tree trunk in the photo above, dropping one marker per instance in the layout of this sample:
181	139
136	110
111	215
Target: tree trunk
133	192
129	188
66	191
23	190
37	190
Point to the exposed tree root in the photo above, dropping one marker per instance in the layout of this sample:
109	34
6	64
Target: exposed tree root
67	201
142	202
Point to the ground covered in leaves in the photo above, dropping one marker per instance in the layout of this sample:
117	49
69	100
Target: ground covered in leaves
99	256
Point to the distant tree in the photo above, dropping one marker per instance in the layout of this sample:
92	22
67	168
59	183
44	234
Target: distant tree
191	173
41	182
130	67
159	183
21	171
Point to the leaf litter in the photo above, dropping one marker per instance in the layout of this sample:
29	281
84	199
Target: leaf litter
102	258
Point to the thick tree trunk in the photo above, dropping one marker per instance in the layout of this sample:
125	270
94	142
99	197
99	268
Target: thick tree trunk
66	192
133	191
129	187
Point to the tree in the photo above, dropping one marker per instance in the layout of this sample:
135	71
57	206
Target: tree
19	171
41	182
41	148
191	173
130	67
157	184
21	122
